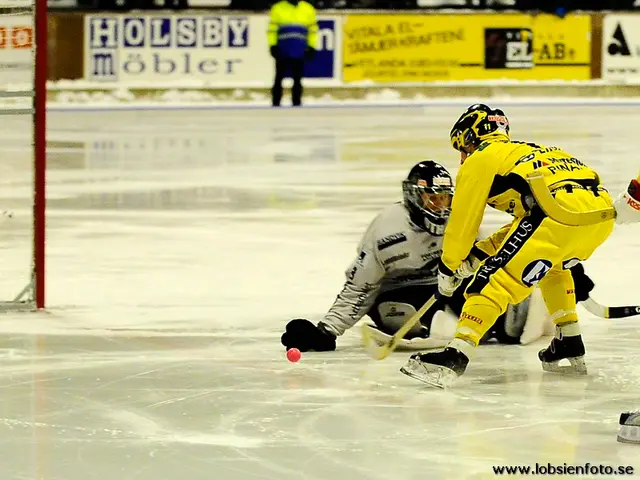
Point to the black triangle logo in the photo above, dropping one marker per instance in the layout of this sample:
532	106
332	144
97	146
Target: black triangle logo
619	45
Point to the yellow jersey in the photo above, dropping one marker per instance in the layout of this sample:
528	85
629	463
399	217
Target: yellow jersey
496	175
293	28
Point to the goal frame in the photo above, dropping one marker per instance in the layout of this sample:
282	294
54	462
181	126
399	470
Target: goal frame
32	296
39	150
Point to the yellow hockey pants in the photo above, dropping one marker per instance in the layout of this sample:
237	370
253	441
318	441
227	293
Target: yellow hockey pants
533	250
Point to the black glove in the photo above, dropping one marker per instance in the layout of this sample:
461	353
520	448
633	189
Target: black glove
274	51
583	284
305	336
309	53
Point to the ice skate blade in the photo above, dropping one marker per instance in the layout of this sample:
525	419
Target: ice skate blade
629	434
628	441
433	375
577	366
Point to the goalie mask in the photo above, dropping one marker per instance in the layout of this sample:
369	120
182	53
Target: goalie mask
428	192
477	124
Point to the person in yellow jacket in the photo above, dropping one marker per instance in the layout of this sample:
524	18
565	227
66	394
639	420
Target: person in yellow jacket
531	251
292	35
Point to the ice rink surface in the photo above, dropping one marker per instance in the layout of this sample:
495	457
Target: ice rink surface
181	242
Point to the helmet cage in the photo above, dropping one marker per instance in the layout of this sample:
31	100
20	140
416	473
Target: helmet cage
429	207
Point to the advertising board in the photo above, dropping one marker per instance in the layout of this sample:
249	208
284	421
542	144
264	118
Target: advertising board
621	48
205	50
16	49
419	48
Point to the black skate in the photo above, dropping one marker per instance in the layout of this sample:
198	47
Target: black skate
629	431
438	369
567	344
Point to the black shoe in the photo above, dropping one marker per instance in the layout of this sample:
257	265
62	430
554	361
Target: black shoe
438	369
565	346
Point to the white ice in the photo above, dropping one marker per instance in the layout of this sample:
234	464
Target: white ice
181	242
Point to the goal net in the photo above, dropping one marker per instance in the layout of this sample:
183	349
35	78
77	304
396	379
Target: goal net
22	158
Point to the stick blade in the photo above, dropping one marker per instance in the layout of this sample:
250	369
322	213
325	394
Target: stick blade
372	346
610	312
380	351
623	312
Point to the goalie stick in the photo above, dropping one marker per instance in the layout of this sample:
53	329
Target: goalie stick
610	312
380	352
560	214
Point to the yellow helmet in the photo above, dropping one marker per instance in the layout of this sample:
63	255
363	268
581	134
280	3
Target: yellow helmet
477	124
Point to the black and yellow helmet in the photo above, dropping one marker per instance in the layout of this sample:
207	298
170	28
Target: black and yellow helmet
478	124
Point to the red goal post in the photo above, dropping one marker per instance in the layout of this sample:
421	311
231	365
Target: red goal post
23	92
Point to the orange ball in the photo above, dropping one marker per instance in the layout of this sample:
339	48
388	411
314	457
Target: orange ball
293	354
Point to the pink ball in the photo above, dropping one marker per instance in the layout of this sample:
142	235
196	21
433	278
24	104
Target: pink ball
293	354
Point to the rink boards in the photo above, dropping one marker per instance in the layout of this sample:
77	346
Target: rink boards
232	51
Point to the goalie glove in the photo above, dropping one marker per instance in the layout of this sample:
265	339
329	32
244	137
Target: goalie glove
300	333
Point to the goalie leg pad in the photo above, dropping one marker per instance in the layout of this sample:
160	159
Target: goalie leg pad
516	318
440	333
509	326
443	324
394	315
538	323
523	323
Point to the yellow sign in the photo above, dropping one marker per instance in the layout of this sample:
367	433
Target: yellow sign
423	48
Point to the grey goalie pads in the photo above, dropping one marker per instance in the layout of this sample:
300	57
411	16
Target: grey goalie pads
536	325
443	326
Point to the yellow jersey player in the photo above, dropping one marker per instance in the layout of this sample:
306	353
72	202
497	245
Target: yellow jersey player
533	250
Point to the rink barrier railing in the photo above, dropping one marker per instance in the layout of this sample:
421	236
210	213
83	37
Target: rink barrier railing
352	106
